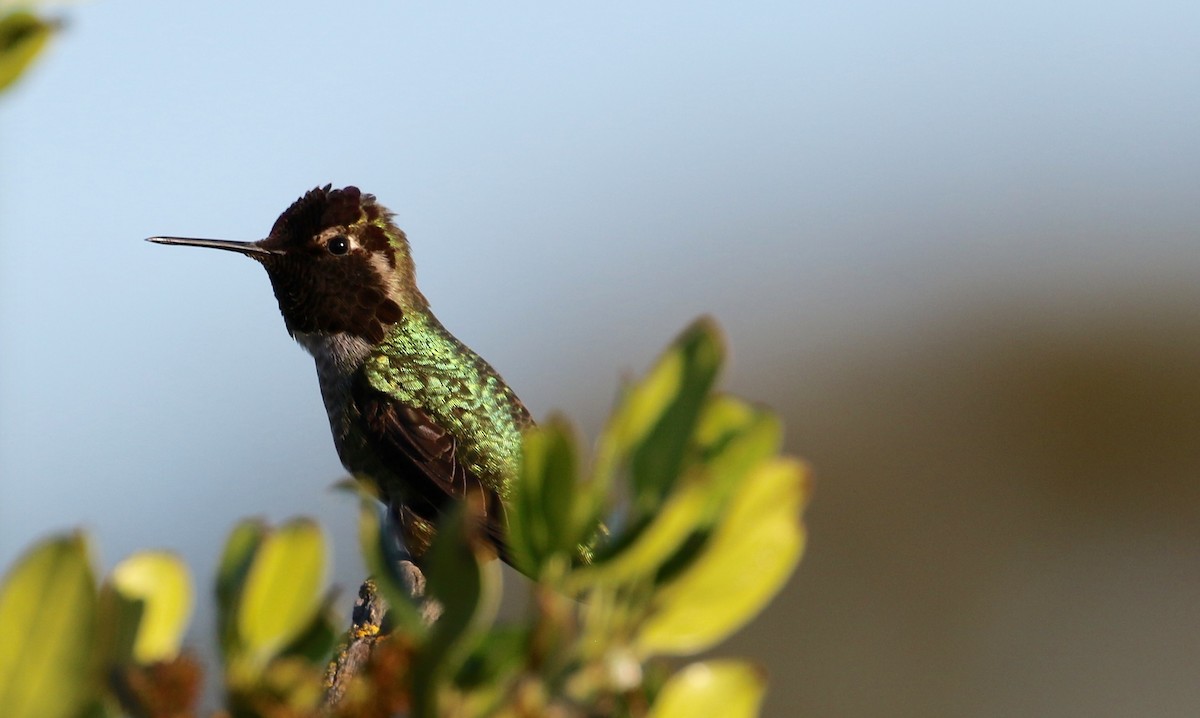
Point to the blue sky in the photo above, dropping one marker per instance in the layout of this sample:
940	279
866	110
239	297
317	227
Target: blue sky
577	180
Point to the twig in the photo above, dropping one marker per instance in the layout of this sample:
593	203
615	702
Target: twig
366	625
366	621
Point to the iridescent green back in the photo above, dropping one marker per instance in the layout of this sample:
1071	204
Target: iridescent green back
422	365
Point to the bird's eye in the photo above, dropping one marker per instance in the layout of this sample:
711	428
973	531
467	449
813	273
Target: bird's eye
338	245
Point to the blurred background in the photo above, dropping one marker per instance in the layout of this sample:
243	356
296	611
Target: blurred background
956	245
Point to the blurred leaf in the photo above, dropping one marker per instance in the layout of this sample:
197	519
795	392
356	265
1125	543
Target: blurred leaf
286	687
654	421
560	484
382	554
146	603
47	619
716	689
23	36
732	437
486	677
658	458
550	511
101	707
116	631
499	653
240	547
316	642
641	558
467	584
282	588
754	549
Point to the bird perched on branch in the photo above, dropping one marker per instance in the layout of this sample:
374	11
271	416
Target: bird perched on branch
414	412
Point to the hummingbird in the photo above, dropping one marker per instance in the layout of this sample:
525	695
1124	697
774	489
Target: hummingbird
415	413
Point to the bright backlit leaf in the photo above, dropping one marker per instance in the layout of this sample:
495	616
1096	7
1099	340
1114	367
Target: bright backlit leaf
711	689
753	550
23	36
649	432
664	534
47	619
283	587
734	436
155	586
240	547
731	437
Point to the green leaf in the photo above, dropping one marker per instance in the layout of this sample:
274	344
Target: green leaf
650	430
730	439
283	587
754	548
486	677
239	552
146	602
550	510
315	644
47	620
733	436
382	555
287	686
658	459
560	486
711	689
466	581
23	36
498	656
642	557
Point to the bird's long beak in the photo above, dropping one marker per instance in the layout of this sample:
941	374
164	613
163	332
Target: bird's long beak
250	249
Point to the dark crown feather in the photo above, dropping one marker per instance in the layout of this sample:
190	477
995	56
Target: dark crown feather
321	208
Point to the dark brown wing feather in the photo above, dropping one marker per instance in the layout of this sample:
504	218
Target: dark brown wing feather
423	455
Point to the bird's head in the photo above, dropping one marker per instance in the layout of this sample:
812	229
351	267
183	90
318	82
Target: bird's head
337	263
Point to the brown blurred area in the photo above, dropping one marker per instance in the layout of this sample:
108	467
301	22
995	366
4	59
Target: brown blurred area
1006	518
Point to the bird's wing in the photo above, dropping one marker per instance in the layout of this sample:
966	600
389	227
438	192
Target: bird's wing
425	455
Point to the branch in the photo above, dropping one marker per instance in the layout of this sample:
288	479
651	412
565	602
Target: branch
365	630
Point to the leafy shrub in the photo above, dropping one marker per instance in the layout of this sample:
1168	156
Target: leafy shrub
683	525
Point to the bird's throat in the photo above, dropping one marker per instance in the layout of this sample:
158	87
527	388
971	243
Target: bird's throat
337	356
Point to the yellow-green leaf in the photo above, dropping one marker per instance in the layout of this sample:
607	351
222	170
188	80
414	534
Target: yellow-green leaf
317	640
674	522
755	547
711	689
731	438
651	427
239	551
550	510
283	587
659	457
47	619
157	586
23	35
734	436
240	548
648	399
